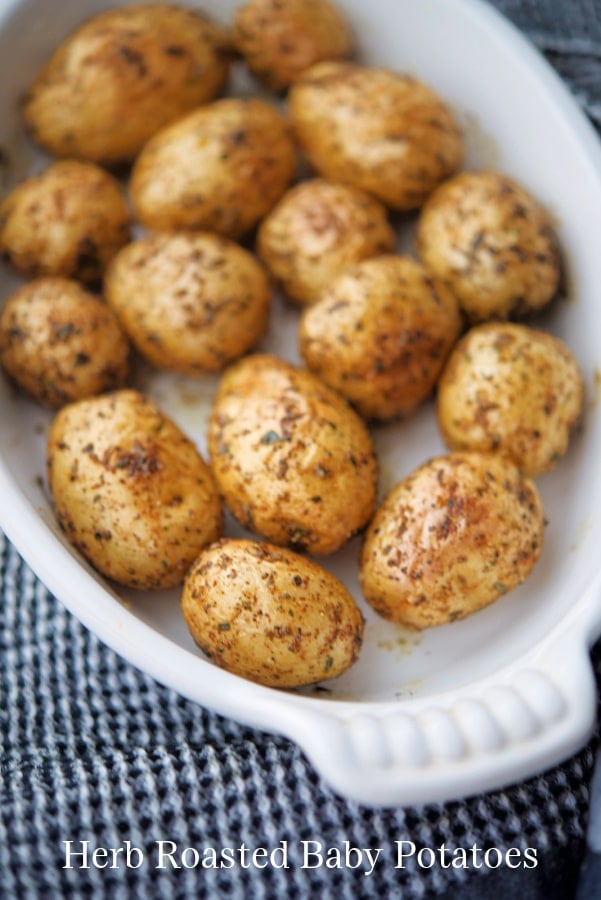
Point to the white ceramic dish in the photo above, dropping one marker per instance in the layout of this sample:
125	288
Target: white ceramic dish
463	708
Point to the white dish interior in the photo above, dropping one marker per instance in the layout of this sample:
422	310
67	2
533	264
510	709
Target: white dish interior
392	724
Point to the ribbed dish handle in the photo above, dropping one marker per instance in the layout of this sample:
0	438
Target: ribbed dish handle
514	724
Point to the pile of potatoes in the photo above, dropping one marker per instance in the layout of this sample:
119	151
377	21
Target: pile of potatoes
222	219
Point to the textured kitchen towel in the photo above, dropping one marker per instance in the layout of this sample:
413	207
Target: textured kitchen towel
568	32
91	749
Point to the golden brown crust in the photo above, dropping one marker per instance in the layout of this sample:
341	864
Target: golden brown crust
381	334
490	241
270	615
280	39
385	133
221	168
130	490
189	302
122	76
318	229
60	343
68	221
511	388
292	460
452	537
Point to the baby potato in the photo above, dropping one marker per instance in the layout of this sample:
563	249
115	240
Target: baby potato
221	168
270	615
491	242
189	302
318	229
69	221
123	75
385	133
279	39
61	344
452	537
510	388
381	335
131	492
291	459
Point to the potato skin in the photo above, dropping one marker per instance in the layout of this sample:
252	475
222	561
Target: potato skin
451	538
122	76
514	389
61	344
381	334
189	302
221	168
492	243
385	133
130	490
69	221
318	229
270	615
279	39
291	459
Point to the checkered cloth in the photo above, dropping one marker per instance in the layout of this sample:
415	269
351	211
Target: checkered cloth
92	749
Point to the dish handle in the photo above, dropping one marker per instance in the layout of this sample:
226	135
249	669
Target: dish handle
506	727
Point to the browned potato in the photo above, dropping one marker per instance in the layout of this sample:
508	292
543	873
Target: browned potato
510	388
292	460
385	133
60	343
270	615
451	538
492	244
123	75
279	39
189	302
317	230
68	221
220	168
381	334
130	490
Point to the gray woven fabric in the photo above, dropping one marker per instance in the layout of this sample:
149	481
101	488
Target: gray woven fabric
569	33
92	749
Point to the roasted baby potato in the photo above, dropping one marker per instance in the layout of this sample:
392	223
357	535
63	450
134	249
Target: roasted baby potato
60	343
68	221
318	229
130	490
381	335
291	459
279	39
452	537
510	388
189	302
122	76
270	615
221	168
385	133
491	242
